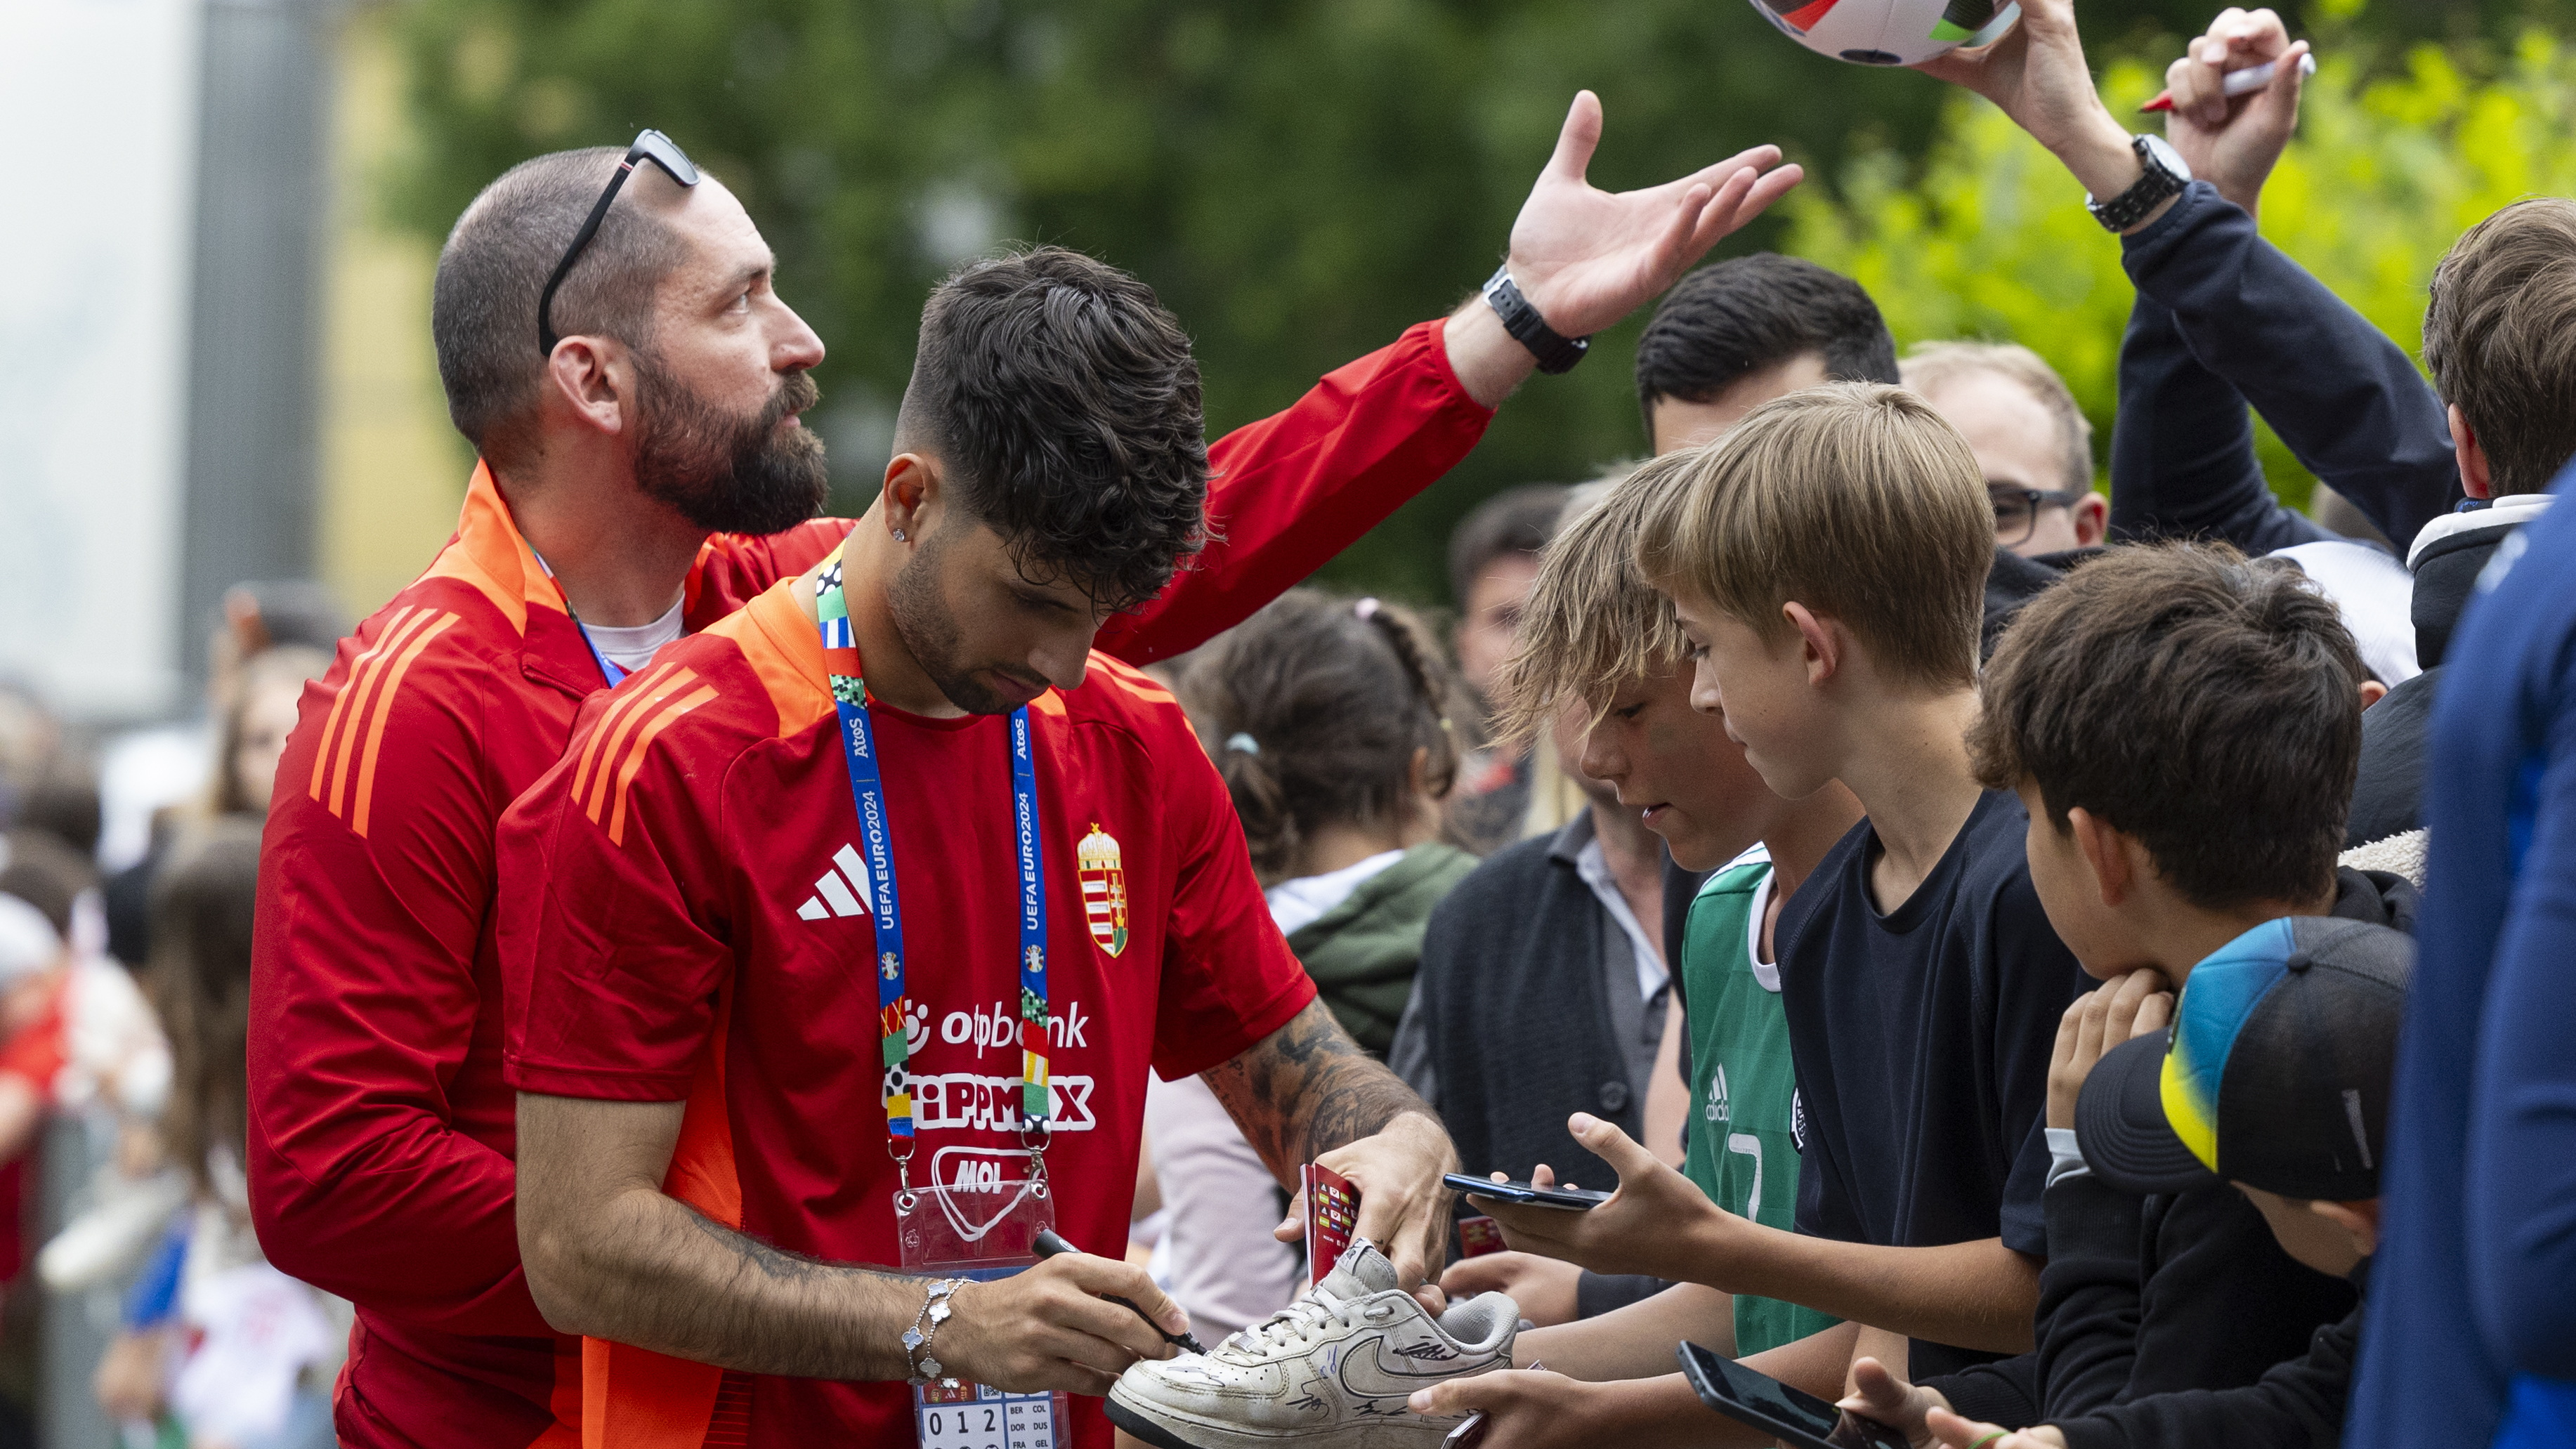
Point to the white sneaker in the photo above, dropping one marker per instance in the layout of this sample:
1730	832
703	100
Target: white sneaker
1330	1371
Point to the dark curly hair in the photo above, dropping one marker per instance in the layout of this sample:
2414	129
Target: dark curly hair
1313	709
1065	403
2206	703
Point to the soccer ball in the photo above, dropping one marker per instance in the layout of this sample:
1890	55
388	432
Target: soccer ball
1889	32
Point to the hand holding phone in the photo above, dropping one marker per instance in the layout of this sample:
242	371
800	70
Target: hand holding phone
1797	1417
1572	1199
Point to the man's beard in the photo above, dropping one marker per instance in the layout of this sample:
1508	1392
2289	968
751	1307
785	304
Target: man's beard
930	632
728	474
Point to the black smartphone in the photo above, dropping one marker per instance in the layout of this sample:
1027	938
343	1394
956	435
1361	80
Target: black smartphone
1749	1396
1573	1198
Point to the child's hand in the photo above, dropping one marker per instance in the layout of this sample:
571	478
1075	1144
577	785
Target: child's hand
1523	1408
1635	1231
2100	1019
1877	1393
1543	1287
1958	1433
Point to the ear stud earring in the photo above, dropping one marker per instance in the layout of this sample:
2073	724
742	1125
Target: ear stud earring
898	535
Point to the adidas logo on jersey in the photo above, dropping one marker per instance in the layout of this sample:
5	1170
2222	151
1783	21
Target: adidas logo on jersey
842	892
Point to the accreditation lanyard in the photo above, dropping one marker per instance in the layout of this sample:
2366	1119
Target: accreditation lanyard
867	791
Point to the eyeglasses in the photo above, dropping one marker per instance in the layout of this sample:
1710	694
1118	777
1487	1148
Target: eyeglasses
651	146
2017	511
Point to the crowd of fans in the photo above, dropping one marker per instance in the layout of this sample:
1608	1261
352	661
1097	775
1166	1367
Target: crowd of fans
1742	846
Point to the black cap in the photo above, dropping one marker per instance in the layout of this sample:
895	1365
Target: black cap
2275	1072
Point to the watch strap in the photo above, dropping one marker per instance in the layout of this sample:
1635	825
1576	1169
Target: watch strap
2155	183
1555	351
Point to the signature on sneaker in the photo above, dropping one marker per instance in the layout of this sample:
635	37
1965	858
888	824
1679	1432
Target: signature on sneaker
1330	1371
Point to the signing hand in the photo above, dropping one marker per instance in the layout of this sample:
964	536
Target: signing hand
2100	1019
1586	257
1635	1231
1403	1207
1959	1433
1877	1393
1050	1327
1543	1287
2234	143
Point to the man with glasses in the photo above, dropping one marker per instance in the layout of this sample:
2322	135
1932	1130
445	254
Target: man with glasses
610	340
2034	443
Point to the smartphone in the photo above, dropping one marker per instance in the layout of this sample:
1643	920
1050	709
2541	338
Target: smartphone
1572	1198
1797	1417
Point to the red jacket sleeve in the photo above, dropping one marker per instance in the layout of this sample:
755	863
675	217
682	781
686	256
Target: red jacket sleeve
373	889
1291	491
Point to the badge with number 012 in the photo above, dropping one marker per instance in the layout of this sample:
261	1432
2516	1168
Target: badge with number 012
980	1226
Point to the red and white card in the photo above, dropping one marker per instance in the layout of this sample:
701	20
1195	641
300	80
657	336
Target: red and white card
1332	1215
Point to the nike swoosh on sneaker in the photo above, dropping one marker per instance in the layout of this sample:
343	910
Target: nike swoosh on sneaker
1387	1374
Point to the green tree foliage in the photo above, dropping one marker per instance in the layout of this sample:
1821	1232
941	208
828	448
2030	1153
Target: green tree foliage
1988	238
1299	179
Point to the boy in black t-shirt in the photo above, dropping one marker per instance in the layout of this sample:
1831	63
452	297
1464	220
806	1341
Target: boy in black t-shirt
2183	726
1827	560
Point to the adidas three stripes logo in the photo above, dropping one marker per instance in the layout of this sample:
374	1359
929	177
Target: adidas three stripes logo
842	892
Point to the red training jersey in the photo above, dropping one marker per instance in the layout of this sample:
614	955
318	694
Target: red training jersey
380	1124
695	875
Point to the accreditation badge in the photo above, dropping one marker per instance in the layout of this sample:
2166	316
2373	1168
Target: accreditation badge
979	1219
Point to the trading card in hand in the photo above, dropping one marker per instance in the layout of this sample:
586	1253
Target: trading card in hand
1332	1213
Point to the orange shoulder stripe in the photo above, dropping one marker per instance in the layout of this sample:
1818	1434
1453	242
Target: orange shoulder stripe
340	704
594	793
618	706
358	694
635	757
384	707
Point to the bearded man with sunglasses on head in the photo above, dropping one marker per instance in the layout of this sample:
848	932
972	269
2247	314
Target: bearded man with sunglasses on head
611	342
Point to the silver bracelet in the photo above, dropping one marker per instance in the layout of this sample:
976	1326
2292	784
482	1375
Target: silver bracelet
925	1326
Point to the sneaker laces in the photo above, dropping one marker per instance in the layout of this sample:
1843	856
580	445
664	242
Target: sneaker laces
1300	1323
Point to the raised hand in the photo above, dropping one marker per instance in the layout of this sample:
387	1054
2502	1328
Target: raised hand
1586	257
2038	75
2233	142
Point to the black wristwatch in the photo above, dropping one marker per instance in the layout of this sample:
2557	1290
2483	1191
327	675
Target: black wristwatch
2166	174
1554	351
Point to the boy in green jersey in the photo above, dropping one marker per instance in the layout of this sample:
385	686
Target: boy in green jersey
1744	1131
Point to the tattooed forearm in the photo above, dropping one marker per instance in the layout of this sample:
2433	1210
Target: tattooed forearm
1306	1089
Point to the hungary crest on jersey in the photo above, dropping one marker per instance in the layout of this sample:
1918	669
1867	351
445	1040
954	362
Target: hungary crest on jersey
1104	889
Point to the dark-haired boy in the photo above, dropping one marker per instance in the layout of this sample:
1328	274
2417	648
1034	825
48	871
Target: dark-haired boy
2182	725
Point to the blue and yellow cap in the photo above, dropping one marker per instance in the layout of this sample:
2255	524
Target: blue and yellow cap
2275	1071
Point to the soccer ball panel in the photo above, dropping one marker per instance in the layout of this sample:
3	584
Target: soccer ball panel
1885	32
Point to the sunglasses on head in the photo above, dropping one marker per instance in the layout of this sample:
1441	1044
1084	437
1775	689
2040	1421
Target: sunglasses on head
651	146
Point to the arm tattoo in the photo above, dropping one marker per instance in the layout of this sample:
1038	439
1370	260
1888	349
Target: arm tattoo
1306	1089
